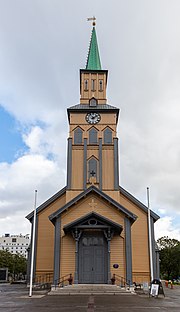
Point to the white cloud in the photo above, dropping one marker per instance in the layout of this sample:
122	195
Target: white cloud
19	181
165	227
43	45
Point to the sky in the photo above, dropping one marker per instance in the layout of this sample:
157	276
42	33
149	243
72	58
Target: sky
44	43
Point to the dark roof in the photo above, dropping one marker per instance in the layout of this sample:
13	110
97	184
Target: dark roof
98	107
101	108
117	227
122	191
47	202
92	189
137	202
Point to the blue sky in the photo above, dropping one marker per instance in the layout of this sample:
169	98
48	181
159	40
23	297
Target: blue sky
10	137
43	46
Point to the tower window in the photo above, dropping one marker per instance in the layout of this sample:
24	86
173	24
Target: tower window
85	85
93	136
107	136
78	136
93	102
100	85
92	168
93	85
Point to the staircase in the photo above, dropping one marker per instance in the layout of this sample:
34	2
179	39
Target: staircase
91	289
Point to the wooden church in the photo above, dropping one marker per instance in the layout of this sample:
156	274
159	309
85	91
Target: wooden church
93	228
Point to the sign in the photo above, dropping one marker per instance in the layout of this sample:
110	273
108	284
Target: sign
146	287
154	290
115	266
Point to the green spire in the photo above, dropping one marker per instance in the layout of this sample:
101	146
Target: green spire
93	60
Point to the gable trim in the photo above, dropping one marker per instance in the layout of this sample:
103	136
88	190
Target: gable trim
138	203
46	203
118	228
92	189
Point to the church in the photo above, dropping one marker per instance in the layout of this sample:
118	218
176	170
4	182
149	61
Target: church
93	228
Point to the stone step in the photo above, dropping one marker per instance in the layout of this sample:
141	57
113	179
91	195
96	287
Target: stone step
90	289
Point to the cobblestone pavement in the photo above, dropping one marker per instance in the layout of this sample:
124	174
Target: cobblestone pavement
15	298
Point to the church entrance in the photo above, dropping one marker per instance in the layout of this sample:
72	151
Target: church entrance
93	258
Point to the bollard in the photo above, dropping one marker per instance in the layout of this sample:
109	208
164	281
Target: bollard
171	285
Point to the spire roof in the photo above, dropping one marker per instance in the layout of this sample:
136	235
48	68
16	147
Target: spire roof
93	60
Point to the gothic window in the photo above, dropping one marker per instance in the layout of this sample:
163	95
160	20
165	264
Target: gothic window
92	136
78	136
93	102
107	136
93	85
85	85
92	167
100	85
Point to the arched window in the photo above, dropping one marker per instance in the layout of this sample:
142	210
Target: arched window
93	102
92	168
93	136
100	85
78	136
93	85
107	136
85	85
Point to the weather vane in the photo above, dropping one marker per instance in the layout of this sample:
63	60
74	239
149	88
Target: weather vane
93	19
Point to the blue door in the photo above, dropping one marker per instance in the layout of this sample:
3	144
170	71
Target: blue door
93	258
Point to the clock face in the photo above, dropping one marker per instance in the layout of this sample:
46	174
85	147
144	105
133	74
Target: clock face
93	118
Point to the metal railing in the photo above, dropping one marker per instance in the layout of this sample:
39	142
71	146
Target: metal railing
64	281
120	280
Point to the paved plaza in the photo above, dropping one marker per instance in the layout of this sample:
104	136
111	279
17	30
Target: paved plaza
15	298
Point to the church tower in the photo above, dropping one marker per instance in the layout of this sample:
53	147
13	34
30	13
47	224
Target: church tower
93	230
92	142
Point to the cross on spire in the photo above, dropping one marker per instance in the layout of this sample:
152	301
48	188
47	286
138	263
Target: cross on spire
93	60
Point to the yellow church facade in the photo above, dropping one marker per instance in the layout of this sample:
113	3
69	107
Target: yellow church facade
93	228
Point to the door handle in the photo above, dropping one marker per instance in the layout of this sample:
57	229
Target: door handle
92	269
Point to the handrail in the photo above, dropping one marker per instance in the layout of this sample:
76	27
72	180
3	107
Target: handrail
60	281
122	280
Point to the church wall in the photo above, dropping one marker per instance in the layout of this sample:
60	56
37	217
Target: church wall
140	247
80	209
67	260
118	256
45	241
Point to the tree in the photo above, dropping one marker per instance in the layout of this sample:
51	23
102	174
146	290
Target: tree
169	257
16	263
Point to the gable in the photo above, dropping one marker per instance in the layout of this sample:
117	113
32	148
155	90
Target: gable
101	196
94	221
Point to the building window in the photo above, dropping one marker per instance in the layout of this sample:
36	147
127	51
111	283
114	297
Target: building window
100	85
85	85
92	136
14	240
107	136
78	136
93	102
92	168
93	85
